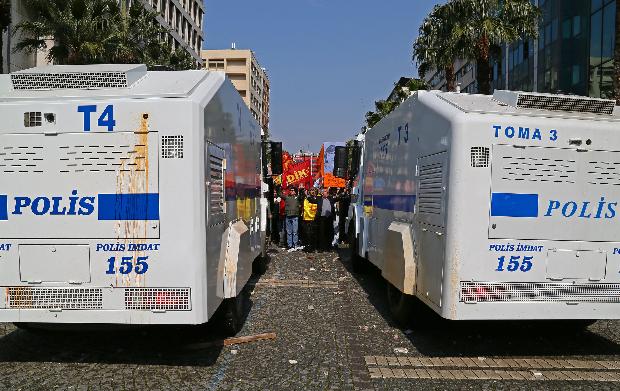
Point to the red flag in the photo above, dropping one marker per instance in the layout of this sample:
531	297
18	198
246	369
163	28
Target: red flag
297	174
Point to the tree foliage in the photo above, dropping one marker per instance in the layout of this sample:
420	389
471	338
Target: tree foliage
385	107
96	32
475	30
486	24
437	46
382	109
5	21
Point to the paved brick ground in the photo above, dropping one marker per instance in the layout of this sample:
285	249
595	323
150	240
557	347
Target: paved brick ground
333	333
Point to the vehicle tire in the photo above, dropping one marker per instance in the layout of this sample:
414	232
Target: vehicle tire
230	317
259	266
358	264
402	306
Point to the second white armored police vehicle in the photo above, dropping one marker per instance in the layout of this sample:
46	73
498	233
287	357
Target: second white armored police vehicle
493	207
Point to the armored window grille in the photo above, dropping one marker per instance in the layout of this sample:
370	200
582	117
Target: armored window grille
217	197
154	299
431	188
32	118
480	292
172	147
54	298
479	156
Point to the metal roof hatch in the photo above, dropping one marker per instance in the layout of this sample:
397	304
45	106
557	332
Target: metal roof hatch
554	102
61	77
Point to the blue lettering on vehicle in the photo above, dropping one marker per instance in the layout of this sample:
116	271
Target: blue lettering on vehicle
515	263
401	136
105	120
128	264
131	247
524	133
109	206
519	247
582	209
5	246
527	205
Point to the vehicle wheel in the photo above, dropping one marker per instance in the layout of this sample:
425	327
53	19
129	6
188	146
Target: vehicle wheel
230	317
259	266
357	263
401	305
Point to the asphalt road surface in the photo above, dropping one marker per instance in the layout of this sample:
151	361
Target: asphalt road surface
333	332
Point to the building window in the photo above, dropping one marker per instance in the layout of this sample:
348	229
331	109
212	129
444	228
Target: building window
609	18
575	79
602	41
576	25
216	65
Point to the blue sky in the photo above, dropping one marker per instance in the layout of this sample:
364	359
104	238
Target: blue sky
328	60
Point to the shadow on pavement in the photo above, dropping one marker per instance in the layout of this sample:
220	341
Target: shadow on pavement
433	336
110	344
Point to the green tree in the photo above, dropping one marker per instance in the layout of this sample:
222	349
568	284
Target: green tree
180	59
99	31
617	56
385	107
82	30
437	46
484	24
139	39
5	21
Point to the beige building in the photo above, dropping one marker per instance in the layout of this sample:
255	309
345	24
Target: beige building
247	76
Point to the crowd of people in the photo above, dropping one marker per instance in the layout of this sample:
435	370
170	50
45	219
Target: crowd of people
312	220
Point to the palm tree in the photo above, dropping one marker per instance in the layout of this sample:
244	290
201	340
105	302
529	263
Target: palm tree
5	21
99	31
81	30
436	46
617	56
137	39
482	24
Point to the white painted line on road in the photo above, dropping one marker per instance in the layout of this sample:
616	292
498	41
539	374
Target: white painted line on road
482	368
495	374
505	363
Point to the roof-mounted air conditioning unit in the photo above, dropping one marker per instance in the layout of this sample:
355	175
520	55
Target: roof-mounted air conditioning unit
554	102
60	77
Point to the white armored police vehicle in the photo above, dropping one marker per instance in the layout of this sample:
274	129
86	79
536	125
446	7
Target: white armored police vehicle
126	196
493	207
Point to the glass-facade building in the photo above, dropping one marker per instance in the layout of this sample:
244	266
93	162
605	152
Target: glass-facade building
573	53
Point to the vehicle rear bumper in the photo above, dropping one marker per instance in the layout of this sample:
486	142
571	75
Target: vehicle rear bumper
98	316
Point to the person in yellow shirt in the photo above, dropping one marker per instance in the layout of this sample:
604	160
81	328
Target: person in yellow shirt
311	211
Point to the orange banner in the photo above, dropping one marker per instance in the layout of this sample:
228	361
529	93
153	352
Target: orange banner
329	180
